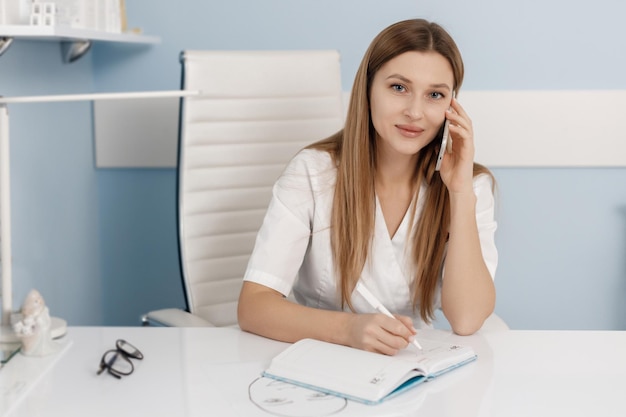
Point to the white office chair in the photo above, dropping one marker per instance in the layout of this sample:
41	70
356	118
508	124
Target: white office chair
255	111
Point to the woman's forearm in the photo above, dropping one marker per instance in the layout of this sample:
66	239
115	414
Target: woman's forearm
267	313
468	292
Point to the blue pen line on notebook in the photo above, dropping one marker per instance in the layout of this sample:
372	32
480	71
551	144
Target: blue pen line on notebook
373	301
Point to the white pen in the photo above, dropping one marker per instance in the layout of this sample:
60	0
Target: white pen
373	301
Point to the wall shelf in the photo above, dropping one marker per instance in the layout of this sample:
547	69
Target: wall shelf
57	33
74	42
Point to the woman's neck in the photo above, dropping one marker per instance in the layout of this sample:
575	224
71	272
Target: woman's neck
393	173
395	186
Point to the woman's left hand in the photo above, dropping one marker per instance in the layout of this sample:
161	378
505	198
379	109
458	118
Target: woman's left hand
457	167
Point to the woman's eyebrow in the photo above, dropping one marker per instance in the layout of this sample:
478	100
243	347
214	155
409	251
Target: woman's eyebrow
400	77
441	85
407	81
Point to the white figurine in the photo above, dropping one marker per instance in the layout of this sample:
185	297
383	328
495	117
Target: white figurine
34	328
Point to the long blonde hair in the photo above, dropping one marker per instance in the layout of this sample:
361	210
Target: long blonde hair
353	150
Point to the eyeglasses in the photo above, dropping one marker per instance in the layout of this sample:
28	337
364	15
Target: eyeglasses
117	361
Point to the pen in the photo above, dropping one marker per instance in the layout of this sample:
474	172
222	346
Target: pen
373	301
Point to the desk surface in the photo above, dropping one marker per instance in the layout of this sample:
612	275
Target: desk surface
215	371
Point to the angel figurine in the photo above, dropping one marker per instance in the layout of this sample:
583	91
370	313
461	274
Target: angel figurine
34	327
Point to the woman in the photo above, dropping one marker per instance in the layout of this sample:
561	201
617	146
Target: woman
366	205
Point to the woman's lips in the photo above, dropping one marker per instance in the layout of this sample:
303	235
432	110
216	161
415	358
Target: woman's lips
409	130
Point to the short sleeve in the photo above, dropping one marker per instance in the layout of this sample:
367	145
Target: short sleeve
485	220
284	236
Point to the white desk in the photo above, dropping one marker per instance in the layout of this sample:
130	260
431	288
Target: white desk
208	372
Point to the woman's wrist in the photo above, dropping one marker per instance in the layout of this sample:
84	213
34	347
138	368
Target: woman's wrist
464	199
341	328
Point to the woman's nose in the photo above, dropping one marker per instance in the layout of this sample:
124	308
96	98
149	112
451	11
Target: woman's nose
414	110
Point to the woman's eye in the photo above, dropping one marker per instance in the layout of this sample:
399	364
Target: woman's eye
436	95
398	88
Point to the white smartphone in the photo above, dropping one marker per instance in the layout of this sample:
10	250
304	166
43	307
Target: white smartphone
446	142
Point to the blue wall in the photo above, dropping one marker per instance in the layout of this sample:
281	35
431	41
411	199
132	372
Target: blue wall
101	244
55	209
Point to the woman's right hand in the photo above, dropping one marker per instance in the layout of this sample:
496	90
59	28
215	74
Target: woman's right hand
380	333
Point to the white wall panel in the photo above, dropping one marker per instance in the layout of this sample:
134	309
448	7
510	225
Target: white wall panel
548	128
138	133
543	128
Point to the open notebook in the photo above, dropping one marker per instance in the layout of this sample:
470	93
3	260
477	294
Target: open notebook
364	376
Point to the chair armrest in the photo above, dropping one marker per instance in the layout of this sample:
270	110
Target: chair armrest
174	317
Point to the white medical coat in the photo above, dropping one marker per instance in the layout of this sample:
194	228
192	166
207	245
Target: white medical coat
293	253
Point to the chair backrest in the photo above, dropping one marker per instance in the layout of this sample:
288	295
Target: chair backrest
255	111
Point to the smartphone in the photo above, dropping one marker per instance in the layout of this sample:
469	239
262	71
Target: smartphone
446	142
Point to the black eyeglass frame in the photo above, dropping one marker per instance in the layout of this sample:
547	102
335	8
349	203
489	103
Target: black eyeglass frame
126	351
